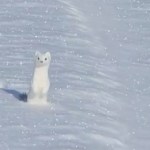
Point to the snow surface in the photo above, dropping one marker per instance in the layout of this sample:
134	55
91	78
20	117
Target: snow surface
99	94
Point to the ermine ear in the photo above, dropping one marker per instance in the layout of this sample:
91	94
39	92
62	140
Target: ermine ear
37	53
48	54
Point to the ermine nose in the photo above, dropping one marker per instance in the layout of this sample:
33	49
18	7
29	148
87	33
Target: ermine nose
41	61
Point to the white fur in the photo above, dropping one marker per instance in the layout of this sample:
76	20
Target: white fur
40	83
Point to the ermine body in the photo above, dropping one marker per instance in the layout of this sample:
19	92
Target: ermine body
40	82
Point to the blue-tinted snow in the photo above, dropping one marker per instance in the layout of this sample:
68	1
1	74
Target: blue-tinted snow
99	95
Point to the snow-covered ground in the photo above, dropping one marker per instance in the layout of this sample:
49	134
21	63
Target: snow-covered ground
99	94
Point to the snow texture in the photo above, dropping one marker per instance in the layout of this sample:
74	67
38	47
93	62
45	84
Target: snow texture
100	85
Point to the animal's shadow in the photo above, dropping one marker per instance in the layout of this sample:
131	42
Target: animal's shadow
18	95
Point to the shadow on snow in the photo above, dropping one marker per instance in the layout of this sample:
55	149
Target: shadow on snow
18	95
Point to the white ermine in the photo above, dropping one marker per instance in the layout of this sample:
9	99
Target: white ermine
40	82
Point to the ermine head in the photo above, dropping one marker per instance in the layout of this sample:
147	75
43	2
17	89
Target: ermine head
42	59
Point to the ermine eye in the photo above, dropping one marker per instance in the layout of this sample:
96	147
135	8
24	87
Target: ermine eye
38	58
45	58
